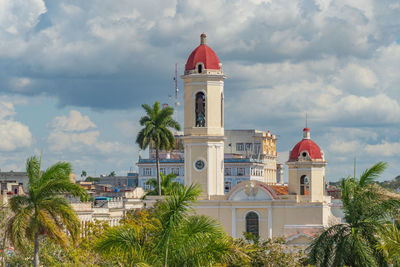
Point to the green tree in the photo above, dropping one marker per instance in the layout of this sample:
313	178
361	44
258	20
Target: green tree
84	173
171	235
156	132
390	243
167	184
367	208
44	211
112	174
270	252
4	216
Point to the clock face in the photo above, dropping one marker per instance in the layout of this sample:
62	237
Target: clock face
199	164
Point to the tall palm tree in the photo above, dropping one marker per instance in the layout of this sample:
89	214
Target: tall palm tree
176	237
44	211
367	208
167	184
156	132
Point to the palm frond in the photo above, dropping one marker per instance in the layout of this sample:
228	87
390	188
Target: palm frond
55	187
371	174
60	170
33	170
17	228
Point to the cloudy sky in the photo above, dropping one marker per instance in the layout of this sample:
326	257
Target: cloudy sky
74	73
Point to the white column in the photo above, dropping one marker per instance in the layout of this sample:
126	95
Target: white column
270	222
210	170
234	222
218	171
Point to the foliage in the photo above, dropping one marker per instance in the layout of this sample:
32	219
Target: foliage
4	216
271	252
368	208
390	243
53	254
156	133
44	212
84	173
170	234
92	179
112	174
167	184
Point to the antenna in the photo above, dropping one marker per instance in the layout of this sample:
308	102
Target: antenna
176	85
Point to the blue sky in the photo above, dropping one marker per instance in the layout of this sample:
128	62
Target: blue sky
74	74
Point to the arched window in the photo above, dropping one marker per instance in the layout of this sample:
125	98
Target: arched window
200	68
200	110
252	223
304	185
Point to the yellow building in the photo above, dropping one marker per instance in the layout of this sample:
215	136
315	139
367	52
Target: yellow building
297	212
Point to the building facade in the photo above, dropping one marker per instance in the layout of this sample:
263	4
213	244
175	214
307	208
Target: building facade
248	155
251	203
297	212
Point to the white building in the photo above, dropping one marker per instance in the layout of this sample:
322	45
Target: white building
248	155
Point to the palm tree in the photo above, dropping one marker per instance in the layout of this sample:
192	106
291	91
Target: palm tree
44	211
367	208
156	132
176	237
167	184
390	243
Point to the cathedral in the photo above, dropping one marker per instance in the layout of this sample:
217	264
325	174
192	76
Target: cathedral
297	211
255	203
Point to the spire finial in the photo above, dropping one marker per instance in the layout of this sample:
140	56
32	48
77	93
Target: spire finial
203	39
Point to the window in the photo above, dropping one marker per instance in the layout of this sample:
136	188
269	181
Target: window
147	187
200	68
252	223
162	170
228	171
240	171
228	185
175	171
200	110
257	148
147	172
239	147
304	186
249	146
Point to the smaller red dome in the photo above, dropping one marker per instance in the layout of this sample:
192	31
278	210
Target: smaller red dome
204	54
307	145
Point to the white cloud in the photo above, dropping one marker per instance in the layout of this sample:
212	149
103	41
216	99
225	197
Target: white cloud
13	134
74	133
75	122
385	149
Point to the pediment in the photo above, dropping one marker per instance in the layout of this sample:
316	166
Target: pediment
249	191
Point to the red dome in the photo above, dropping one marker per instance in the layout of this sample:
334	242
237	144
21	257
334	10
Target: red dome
204	54
306	145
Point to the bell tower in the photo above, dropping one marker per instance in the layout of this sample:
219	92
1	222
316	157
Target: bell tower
204	120
307	170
